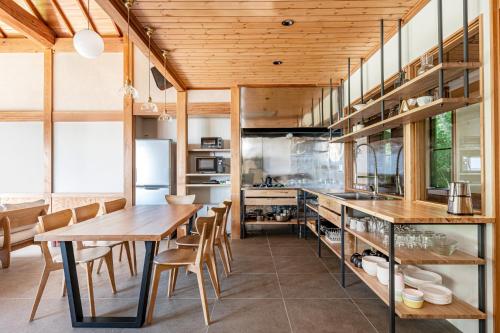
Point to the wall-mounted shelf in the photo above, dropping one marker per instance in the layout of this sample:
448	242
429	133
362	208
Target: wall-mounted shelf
208	185
208	174
209	150
420	113
421	83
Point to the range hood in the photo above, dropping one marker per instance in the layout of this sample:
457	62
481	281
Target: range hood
283	131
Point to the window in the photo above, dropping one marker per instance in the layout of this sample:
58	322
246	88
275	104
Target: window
441	150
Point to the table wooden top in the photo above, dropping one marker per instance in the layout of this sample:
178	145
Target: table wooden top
137	223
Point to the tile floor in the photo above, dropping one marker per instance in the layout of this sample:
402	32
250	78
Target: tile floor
278	284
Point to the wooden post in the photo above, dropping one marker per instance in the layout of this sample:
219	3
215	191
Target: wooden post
235	163
128	125
48	106
182	140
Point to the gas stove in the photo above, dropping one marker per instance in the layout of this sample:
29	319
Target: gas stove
264	185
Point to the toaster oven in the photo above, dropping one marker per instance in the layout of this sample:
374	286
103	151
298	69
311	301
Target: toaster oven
212	142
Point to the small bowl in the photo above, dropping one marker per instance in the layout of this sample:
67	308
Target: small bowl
369	264
412	304
446	249
413	294
423	100
383	273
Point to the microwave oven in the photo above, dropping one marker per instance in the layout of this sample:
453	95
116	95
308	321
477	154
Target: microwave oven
210	164
212	142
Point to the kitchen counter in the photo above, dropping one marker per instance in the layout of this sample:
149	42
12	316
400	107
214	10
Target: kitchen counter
401	211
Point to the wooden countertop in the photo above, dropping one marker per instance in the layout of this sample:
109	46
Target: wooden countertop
401	211
137	223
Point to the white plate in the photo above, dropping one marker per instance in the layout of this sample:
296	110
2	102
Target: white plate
436	294
416	278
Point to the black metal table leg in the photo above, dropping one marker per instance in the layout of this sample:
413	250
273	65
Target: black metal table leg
342	245
318	230
299	227
392	302
75	302
481	270
304	198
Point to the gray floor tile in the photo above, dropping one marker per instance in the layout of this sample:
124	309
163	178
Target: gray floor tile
299	265
251	286
321	285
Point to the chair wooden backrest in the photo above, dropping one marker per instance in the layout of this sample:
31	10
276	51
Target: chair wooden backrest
219	219
86	212
114	205
206	226
18	218
180	199
51	222
227	204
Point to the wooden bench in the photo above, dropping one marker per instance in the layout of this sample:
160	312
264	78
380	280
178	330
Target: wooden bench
18	229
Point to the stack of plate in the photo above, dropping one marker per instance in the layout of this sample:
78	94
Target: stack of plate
415	277
436	294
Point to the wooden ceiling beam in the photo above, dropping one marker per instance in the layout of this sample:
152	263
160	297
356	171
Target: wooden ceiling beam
2	34
118	13
24	45
35	10
86	13
63	16
30	26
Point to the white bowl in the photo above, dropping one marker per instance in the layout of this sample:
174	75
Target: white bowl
369	264
413	294
358	107
423	100
436	294
417	278
383	273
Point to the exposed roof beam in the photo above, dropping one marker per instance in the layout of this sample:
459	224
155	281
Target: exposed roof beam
118	13
27	24
2	34
24	45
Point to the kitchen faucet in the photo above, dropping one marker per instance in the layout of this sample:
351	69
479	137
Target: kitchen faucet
374	189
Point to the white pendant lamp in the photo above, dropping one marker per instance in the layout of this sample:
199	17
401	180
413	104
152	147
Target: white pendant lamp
164	116
149	106
128	89
88	43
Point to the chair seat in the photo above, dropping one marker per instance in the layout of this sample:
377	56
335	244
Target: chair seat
86	255
19	236
191	240
101	243
175	257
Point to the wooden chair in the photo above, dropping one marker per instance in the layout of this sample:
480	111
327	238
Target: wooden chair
110	207
83	256
193	240
178	200
224	238
19	229
193	261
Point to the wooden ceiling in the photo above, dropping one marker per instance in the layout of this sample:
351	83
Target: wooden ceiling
64	18
221	43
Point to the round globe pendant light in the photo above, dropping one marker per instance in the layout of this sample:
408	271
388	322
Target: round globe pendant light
88	43
149	106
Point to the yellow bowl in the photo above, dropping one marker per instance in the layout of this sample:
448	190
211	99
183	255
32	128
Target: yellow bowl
413	304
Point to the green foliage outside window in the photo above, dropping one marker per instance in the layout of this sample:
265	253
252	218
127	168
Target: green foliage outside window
441	150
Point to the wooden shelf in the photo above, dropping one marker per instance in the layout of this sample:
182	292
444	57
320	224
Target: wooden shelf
208	150
208	185
208	174
254	222
412	88
458	309
432	109
406	256
312	207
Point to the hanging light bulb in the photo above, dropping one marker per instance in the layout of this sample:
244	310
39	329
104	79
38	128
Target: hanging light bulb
128	89
164	116
149	106
88	43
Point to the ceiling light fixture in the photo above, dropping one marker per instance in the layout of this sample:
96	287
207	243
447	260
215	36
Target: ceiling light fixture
164	116
287	22
128	89
88	43
277	62
149	106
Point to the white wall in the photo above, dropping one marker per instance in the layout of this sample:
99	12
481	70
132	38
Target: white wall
420	35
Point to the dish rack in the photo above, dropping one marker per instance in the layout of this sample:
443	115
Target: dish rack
333	235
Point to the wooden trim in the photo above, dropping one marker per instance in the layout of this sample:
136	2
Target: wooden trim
118	13
235	163
495	113
18	18
21	116
48	108
208	109
24	45
63	16
182	140
64	116
128	127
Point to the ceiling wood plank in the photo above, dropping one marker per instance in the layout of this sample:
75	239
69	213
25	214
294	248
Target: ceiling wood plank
87	15
63	16
118	13
30	26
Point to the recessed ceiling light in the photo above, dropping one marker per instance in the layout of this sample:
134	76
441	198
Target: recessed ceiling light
287	22
277	62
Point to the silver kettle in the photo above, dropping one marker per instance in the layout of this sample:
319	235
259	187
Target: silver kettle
460	199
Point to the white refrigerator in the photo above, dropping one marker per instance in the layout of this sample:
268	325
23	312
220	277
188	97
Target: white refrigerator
154	171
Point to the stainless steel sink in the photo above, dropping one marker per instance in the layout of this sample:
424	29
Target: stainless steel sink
358	196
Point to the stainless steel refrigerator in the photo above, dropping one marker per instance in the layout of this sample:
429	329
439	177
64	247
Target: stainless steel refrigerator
154	171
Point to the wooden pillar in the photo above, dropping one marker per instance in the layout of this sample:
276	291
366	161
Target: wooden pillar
182	141
235	162
128	125
48	106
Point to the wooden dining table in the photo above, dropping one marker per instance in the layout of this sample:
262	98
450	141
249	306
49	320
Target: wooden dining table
150	224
